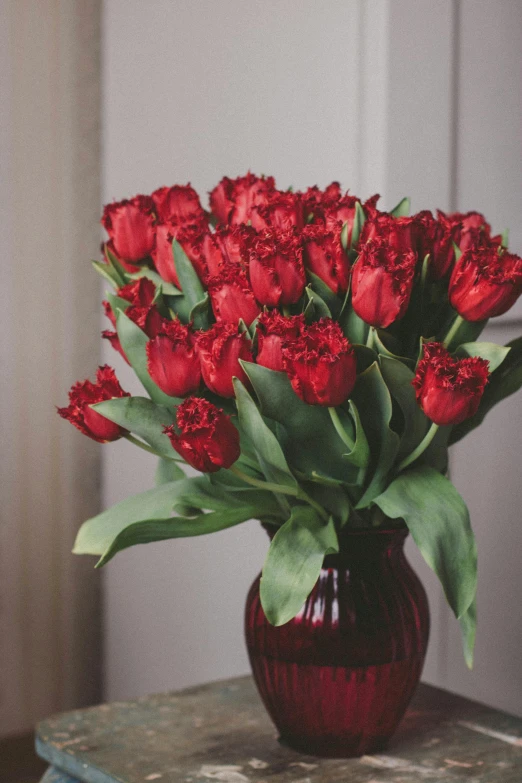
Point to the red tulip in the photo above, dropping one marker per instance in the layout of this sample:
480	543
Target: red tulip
232	297
449	390
396	233
282	210
321	364
173	361
83	395
273	332
130	268
163	256
473	227
233	243
382	282
232	200
130	226
485	282
325	257
437	237
276	267
141	311
179	203
197	242
208	440
336	207
220	349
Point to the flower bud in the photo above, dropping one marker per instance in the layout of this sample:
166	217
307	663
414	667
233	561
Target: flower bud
325	257
141	311
232	200
130	226
207	440
232	297
395	233
84	394
321	364
179	203
382	282
276	267
449	390
273	332
220	349
282	210
485	282
173	361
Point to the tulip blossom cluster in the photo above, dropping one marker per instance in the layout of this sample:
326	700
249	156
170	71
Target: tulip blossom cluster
266	257
312	346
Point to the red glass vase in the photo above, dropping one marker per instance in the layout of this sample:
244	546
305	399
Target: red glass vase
337	679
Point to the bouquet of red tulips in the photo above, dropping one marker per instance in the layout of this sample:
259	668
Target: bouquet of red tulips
314	358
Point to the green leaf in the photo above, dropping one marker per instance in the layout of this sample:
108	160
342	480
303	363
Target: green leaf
96	534
329	297
467	332
320	308
457	251
142	417
398	379
360	454
505	238
167	288
468	629
506	380
117	303
118	270
133	341
358	223
311	440
438	520
167	471
192	289
149	530
379	337
268	451
200	314
354	328
107	272
495	354
374	404
402	209
293	563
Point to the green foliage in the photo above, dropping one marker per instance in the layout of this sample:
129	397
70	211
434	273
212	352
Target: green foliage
438	520
133	341
142	417
167	471
294	562
374	404
266	446
193	300
402	209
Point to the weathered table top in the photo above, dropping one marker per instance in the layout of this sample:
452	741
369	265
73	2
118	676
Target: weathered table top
220	732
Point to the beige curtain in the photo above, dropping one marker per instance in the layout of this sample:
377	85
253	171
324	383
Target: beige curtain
49	474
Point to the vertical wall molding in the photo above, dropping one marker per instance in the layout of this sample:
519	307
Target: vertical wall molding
49	474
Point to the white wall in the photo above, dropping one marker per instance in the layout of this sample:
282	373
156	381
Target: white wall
398	96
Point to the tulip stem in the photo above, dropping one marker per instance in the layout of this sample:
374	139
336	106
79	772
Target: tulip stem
279	489
421	448
336	421
455	326
369	339
150	450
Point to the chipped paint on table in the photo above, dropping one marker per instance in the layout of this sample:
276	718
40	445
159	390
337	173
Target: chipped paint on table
221	732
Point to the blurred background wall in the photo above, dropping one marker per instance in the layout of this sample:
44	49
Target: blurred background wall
416	97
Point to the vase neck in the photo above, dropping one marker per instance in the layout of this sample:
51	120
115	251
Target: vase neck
361	546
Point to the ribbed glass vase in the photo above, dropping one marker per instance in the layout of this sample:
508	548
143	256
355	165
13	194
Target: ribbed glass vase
337	678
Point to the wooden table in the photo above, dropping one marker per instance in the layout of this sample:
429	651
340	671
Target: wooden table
220	732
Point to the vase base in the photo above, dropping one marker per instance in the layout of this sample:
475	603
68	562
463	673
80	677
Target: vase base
335	748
